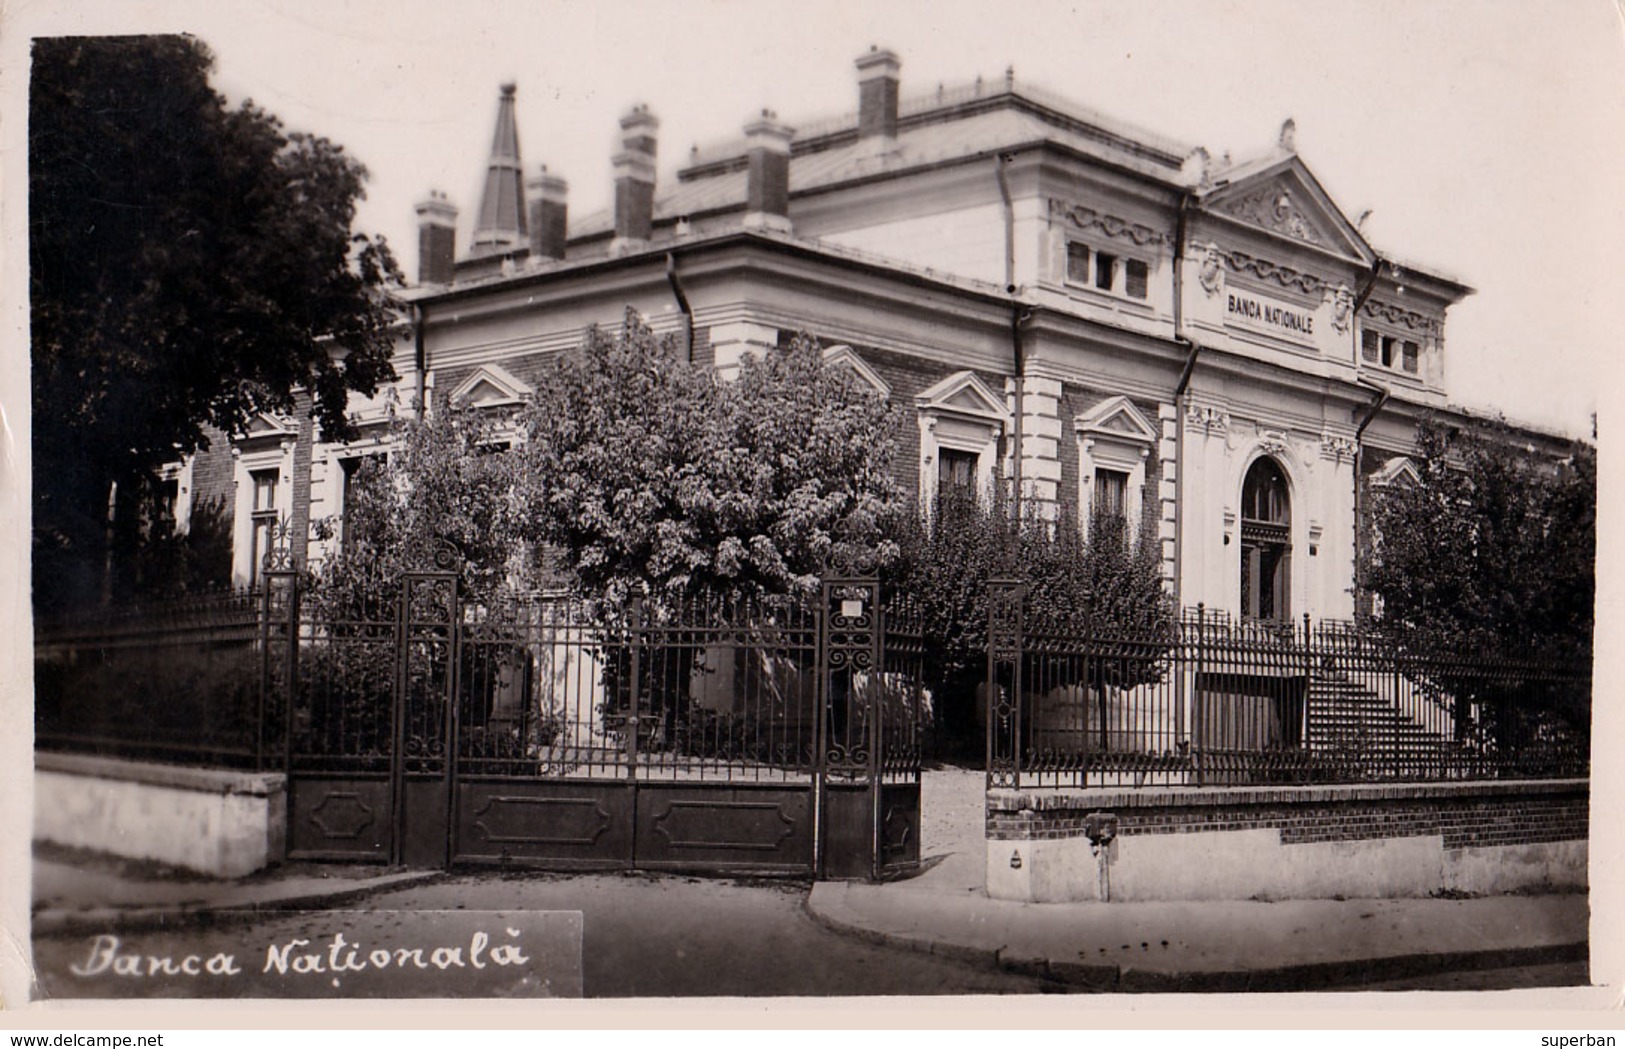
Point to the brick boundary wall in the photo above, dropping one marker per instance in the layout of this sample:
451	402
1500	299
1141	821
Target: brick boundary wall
1392	839
1514	813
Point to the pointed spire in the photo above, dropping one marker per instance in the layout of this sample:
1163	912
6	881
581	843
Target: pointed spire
501	225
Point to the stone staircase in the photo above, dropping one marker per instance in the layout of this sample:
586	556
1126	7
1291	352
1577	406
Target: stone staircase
1348	722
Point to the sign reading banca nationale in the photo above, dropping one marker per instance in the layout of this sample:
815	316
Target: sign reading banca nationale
1260	314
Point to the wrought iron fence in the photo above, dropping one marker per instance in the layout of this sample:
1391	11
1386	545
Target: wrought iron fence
1212	702
712	688
179	681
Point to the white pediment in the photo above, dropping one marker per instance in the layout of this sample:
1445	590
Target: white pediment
491	386
1283	199
1398	470
962	393
265	424
844	356
1116	417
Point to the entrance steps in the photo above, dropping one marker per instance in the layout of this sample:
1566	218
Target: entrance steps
1347	718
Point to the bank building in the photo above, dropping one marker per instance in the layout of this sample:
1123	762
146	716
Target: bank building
1103	316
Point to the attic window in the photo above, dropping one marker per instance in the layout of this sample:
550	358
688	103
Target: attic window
1105	267
1135	274
1370	346
1409	354
1077	262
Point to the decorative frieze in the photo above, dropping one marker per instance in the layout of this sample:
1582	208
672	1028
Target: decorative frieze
1285	276
1084	217
1399	315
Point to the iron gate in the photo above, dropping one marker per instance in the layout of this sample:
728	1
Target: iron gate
771	735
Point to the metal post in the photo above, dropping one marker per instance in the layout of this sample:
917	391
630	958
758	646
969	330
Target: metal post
291	691
1197	715
265	682
397	757
877	711
634	626
454	657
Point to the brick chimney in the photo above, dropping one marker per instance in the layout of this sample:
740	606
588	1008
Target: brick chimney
635	180
767	179
437	239
877	96
546	195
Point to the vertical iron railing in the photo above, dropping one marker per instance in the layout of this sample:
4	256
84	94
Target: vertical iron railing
1207	701
1004	683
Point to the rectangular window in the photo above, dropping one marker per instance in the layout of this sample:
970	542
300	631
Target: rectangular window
1370	346
1410	355
1390	351
263	520
956	472
1111	493
1135	274
264	489
353	468
1077	262
1105	265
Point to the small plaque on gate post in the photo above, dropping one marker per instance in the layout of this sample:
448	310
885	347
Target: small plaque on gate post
851	609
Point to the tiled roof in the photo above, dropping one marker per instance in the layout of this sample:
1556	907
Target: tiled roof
939	129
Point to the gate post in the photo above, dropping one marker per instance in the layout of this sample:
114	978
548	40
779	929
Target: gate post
634	637
1004	647
847	774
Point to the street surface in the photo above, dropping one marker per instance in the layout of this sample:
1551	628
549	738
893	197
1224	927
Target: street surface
672	936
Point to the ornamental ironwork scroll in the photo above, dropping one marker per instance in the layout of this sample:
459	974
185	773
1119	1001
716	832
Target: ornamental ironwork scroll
1003	687
850	665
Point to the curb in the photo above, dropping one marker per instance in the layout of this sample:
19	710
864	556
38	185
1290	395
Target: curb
57	921
1116	979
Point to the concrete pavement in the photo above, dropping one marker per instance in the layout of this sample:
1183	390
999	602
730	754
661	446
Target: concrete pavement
1208	946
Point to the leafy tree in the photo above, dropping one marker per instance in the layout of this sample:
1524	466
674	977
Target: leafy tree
1492	551
647	475
1105	586
450	485
1487	565
190	264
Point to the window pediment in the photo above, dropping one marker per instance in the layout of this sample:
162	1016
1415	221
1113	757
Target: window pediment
491	386
1116	418
1398	470
265	425
962	393
844	356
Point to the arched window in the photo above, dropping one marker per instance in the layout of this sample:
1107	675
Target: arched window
1266	543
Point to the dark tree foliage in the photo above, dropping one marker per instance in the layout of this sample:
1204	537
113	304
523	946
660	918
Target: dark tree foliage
1493	551
1488	565
447	489
190	264
1105	585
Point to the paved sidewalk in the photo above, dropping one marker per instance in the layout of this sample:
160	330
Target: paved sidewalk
1214	946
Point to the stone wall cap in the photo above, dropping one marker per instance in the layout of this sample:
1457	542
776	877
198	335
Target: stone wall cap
1007	801
206	781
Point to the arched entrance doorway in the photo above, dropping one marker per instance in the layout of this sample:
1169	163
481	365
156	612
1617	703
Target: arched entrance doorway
1266	543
